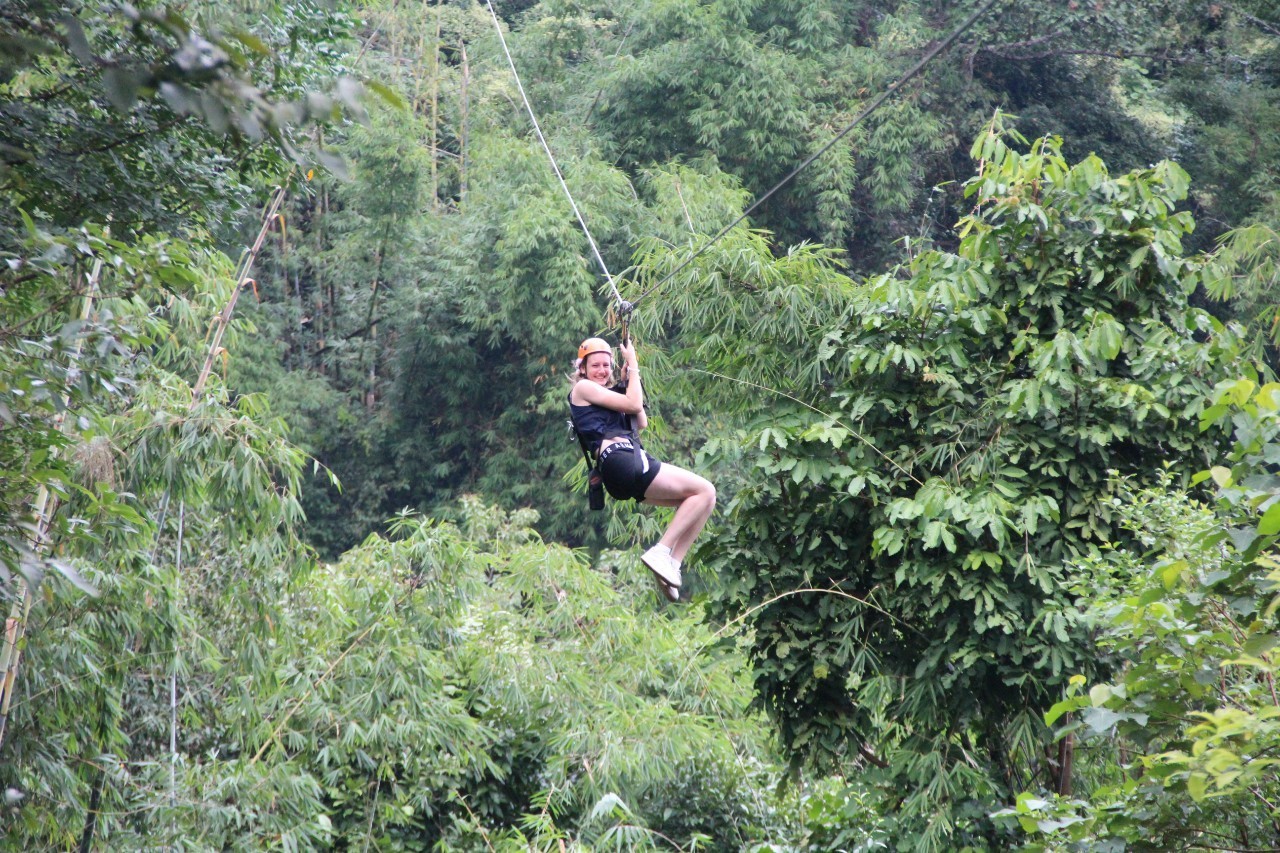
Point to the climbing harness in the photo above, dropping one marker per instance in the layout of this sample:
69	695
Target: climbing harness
628	437
628	441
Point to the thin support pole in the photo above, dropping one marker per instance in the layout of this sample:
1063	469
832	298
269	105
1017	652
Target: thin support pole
173	682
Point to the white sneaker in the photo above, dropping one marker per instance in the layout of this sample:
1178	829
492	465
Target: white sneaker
666	590
662	565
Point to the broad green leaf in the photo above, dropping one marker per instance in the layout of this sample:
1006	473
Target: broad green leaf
1197	786
1260	644
1100	720
1066	706
1269	524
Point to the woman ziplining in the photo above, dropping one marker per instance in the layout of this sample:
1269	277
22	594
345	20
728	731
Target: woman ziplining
608	418
609	412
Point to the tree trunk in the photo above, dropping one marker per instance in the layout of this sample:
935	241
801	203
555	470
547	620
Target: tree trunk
1066	760
91	820
371	390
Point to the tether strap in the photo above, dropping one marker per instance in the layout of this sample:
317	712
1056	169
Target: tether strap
582	442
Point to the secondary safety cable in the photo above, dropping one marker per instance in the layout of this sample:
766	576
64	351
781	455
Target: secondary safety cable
868	110
537	129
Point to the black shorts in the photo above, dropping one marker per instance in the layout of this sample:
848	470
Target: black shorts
622	470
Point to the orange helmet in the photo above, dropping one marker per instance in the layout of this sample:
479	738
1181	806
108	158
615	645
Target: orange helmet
591	345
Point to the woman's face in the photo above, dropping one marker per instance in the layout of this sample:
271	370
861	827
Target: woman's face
598	367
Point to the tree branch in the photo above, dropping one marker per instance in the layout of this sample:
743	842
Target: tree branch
1274	29
55	306
349	335
1045	54
1204	831
124	140
999	48
41	97
865	752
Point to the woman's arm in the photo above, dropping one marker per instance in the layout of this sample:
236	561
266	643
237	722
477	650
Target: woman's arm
588	392
639	419
632	379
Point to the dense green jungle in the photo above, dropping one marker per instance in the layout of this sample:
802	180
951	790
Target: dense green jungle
295	547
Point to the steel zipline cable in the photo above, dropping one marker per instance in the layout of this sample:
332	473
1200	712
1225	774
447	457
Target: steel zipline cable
537	128
868	110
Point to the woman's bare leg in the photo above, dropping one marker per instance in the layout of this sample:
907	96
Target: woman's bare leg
694	498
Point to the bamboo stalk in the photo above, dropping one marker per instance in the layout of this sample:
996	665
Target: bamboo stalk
215	345
15	626
242	278
466	105
435	115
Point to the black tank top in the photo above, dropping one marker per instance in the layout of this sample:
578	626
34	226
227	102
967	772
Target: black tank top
596	423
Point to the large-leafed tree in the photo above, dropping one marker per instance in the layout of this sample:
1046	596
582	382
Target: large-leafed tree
899	542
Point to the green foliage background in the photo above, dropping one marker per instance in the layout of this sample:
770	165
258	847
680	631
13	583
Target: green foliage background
991	422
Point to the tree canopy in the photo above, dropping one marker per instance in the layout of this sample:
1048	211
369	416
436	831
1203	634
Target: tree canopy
294	551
